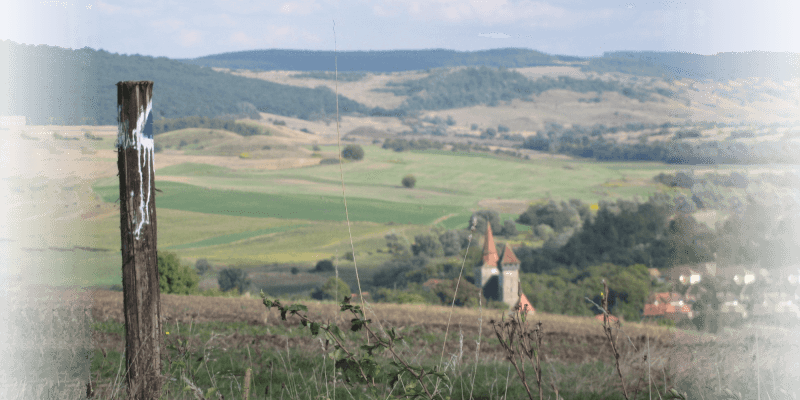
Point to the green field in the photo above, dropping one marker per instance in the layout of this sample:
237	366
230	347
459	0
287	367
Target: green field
256	217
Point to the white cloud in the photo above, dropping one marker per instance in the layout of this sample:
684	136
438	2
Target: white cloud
190	37
168	24
494	35
143	9
242	39
526	12
301	7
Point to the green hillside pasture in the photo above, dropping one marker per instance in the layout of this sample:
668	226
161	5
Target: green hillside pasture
445	179
180	196
317	241
234	237
195	169
218	142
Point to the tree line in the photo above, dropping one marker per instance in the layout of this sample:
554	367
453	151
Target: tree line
173	124
484	85
588	142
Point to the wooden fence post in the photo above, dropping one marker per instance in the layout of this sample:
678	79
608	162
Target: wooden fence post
142	301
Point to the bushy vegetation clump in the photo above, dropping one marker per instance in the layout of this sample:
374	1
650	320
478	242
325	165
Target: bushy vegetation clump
353	152
324	266
175	277
332	288
202	266
409	181
167	125
233	278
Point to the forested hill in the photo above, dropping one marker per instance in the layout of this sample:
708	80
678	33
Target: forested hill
53	85
376	61
721	66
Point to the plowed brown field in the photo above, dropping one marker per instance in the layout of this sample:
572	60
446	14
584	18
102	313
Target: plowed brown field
567	339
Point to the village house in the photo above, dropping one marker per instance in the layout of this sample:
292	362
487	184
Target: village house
669	305
685	274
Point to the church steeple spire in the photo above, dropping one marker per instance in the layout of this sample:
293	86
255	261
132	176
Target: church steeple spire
490	256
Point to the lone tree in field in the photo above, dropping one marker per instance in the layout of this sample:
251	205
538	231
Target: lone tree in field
409	181
353	152
332	288
233	278
324	266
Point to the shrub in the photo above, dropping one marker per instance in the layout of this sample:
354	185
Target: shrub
409	181
175	278
353	152
233	278
244	155
295	271
330	289
324	266
395	244
666	322
427	245
279	122
316	148
202	266
473	127
451	243
509	228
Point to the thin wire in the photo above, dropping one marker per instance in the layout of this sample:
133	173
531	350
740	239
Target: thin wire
447	329
341	173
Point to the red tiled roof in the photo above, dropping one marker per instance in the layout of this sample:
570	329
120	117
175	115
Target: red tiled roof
524	304
651	310
508	256
489	250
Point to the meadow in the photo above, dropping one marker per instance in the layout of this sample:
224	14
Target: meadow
69	340
252	218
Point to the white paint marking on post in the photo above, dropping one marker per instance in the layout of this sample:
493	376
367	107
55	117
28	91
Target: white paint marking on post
144	150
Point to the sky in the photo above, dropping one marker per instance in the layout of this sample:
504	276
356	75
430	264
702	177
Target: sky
566	27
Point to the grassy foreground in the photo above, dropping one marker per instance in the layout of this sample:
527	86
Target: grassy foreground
64	339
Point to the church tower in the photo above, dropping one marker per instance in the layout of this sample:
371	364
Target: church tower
488	267
498	277
509	279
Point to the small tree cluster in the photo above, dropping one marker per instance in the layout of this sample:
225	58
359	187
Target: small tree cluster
333	289
233	278
324	266
353	152
202	266
505	228
409	181
174	277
